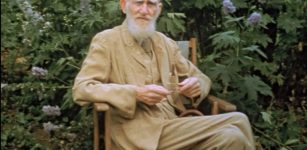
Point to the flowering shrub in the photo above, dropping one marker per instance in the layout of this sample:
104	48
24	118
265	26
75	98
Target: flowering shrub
248	49
41	52
254	51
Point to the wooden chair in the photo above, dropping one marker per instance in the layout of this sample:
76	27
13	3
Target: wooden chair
188	49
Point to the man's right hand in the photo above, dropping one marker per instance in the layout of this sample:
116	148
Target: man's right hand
151	94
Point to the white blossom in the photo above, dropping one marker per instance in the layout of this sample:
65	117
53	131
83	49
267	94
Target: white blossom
51	110
37	71
27	9
48	127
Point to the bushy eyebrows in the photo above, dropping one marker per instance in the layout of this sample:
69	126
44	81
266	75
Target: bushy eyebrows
154	1
148	1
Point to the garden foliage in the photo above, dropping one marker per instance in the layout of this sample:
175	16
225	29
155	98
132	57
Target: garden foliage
254	52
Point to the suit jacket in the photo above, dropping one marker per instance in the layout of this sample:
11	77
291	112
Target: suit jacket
109	73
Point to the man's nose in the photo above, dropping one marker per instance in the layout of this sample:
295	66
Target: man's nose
144	9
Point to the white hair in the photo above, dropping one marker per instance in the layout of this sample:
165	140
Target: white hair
140	33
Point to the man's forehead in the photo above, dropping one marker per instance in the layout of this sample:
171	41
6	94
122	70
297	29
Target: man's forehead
153	1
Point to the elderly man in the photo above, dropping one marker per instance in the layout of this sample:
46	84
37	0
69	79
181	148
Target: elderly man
129	67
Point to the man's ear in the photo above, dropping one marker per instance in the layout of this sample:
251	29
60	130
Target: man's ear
123	6
160	5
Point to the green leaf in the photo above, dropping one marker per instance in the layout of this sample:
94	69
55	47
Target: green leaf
230	19
266	68
168	2
267	117
200	4
269	70
172	23
266	19
240	4
176	15
289	23
253	85
255	48
224	73
279	79
283	148
225	39
257	38
292	141
111	7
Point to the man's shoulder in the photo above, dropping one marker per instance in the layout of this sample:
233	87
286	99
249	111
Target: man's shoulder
164	37
108	33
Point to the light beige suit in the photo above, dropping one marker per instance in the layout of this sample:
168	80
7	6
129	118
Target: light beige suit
115	64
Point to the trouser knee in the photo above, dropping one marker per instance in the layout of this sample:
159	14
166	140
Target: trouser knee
233	137
240	117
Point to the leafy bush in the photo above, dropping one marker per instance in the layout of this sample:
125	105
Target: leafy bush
247	61
255	61
42	49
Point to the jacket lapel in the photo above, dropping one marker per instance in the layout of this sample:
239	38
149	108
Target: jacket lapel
162	60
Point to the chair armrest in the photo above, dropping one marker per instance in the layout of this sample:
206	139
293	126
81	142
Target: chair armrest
101	106
191	112
222	104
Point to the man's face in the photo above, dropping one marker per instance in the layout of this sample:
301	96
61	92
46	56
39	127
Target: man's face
143	11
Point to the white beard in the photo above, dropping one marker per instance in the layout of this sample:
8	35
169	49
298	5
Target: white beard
140	33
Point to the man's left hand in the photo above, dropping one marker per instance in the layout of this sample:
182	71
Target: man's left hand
190	87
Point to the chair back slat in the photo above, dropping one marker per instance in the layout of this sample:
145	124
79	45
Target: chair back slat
188	49
184	48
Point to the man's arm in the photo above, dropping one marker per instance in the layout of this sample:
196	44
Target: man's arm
196	85
91	83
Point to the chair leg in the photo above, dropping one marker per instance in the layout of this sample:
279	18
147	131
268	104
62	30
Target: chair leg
107	130
96	130
215	108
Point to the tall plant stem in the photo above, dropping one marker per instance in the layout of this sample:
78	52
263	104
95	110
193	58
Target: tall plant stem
271	138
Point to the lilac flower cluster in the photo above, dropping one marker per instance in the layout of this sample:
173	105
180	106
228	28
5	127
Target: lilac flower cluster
27	8
85	6
51	110
254	19
37	71
48	127
228	7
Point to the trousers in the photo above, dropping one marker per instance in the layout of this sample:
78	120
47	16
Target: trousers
229	131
